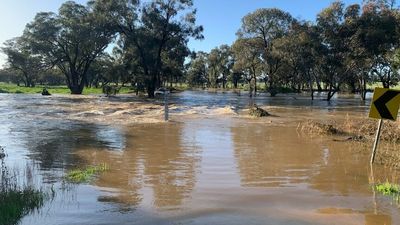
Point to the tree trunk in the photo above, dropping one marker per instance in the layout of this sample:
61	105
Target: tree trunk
319	87
273	92
151	86
255	85
363	89
76	90
331	93
353	87
311	90
251	88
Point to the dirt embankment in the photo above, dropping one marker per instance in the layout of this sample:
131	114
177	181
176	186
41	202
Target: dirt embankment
361	131
358	130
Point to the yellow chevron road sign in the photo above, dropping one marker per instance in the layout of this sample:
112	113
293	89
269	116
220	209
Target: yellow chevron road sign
385	104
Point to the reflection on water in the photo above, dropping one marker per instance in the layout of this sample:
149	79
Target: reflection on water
267	158
153	165
216	169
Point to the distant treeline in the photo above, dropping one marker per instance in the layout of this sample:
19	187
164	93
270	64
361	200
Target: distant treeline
348	47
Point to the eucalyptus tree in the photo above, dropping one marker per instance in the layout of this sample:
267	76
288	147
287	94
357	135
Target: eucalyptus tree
297	51
9	75
357	60
248	60
266	25
226	63
214	64
331	55
379	35
220	63
197	71
152	31
71	40
21	58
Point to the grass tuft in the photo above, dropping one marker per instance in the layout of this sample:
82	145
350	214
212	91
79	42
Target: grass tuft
17	198
16	203
388	188
87	174
328	128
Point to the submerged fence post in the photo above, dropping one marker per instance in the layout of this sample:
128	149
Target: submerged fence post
378	134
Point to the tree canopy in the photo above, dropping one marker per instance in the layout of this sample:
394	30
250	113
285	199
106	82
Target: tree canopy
346	48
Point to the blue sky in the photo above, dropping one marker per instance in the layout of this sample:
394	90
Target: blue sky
220	18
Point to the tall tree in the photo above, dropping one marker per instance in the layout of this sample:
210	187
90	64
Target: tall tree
297	50
214	67
267	25
21	58
357	60
197	71
248	53
226	63
379	36
152	30
71	40
331	54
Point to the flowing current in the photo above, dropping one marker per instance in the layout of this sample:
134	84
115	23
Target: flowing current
211	164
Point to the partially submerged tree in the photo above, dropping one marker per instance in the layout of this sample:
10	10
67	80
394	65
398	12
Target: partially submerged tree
297	52
152	31
248	61
266	25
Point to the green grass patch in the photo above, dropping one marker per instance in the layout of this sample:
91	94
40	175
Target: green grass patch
388	189
14	89
87	174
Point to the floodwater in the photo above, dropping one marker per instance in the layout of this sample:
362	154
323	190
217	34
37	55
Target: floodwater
210	164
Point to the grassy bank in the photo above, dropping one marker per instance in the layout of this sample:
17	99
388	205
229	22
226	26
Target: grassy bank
18	196
14	89
361	130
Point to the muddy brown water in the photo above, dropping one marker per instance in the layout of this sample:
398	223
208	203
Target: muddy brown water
209	165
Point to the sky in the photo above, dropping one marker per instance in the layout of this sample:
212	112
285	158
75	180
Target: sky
220	18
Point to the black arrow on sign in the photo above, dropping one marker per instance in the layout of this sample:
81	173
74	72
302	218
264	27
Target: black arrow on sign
381	102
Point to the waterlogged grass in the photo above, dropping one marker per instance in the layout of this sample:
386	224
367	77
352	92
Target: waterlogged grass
86	175
388	189
18	196
15	204
14	89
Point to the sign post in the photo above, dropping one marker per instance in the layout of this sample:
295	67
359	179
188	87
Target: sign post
378	134
385	105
